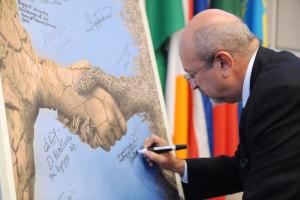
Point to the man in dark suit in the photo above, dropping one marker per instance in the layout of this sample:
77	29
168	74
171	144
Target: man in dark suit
224	61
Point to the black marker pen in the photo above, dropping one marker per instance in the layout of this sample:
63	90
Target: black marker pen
164	149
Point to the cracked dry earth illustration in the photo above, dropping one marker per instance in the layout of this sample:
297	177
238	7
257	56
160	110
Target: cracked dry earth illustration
94	106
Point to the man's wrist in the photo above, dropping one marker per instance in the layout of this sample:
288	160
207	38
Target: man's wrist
179	167
184	178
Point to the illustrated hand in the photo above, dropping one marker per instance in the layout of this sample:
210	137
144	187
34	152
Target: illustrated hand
167	160
96	118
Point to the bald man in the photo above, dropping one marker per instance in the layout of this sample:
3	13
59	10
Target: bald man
224	61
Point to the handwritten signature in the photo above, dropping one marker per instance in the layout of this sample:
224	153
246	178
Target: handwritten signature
123	61
70	195
56	149
129	152
51	2
98	17
52	36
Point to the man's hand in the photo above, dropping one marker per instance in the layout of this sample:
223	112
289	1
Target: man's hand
167	160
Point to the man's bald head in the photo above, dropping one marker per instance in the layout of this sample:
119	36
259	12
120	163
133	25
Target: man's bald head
213	30
210	16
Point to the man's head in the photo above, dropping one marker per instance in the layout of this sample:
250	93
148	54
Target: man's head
215	49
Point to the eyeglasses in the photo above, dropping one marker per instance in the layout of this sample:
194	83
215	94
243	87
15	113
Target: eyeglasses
188	77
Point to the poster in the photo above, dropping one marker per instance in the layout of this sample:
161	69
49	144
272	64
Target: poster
81	95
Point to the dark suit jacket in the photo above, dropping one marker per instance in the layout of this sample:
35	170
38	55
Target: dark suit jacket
266	165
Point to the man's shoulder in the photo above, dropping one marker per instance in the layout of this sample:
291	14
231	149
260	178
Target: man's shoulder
282	73
285	58
283	68
270	57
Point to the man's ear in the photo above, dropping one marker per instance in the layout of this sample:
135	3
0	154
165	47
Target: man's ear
225	61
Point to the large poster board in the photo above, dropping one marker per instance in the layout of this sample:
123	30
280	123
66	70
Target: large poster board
81	94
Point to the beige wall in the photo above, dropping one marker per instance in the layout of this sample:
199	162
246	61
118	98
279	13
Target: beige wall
284	25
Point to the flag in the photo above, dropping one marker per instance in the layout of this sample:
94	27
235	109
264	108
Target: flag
164	18
256	19
185	109
199	5
199	133
231	6
199	121
177	99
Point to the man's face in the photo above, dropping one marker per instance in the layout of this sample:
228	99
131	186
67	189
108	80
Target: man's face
209	80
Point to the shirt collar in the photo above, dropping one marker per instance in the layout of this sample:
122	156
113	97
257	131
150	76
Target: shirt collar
246	84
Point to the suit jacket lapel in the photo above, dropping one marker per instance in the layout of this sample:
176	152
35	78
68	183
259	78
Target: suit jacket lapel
263	57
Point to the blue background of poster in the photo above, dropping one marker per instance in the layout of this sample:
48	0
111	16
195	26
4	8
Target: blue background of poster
65	31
